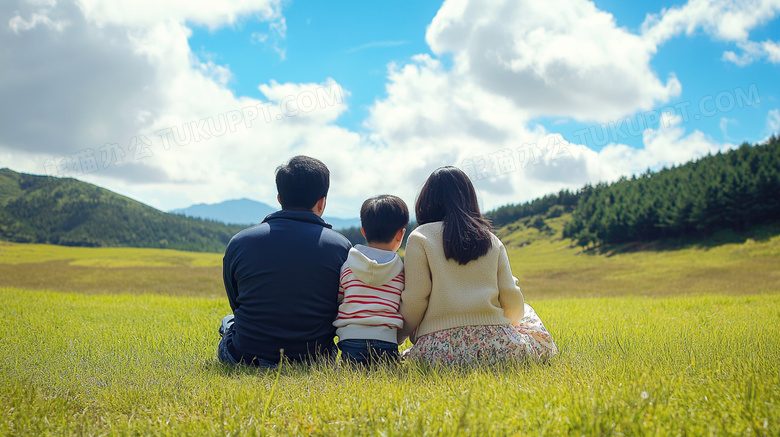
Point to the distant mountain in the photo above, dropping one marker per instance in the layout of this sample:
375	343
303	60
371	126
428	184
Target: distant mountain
65	211
238	211
247	212
340	223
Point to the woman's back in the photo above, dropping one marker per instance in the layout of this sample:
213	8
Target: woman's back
441	293
461	301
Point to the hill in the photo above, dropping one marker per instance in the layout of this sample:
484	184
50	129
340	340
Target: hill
65	211
247	212
734	190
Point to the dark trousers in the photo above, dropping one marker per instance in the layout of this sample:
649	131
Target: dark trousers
368	351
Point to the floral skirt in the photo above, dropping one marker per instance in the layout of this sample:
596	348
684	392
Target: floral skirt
528	339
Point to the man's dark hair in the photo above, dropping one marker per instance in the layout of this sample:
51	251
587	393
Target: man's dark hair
301	182
382	217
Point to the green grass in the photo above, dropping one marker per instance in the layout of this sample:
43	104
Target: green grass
550	267
11	253
110	270
145	364
122	341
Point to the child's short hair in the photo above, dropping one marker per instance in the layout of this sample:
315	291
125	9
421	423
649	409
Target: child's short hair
382	216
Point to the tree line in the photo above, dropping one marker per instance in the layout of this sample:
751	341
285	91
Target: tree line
736	190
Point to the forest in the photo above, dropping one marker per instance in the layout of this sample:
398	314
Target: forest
736	190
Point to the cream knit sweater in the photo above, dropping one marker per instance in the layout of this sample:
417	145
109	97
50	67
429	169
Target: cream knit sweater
442	294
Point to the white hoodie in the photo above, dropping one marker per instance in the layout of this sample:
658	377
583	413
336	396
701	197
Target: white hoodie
370	293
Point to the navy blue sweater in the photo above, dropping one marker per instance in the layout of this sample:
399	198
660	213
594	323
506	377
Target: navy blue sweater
282	280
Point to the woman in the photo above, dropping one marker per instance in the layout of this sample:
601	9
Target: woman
461	303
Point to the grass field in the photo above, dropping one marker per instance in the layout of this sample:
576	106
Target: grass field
122	341
549	267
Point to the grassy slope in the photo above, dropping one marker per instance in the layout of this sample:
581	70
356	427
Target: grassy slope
548	266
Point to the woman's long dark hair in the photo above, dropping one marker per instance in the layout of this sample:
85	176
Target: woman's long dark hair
449	196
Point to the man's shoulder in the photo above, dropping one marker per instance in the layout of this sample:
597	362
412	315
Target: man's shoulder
260	232
253	231
245	238
336	238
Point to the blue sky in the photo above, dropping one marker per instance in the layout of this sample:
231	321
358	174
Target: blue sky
355	41
352	42
527	97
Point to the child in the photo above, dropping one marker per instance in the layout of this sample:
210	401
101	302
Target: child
371	283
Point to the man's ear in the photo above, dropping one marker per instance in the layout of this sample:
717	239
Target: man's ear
279	199
399	236
363	231
319	208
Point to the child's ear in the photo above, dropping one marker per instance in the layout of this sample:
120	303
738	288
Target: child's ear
363	231
399	236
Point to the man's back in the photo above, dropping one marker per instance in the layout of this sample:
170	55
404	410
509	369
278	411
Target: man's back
281	278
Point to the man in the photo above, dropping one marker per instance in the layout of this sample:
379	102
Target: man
282	276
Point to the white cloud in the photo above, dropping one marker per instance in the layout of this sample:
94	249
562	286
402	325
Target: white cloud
274	39
280	27
144	13
663	147
18	24
278	35
752	51
772	50
741	60
668	145
425	124
258	37
560	58
724	19
773	121
132	73
64	90
117	73
214	157
322	103
473	114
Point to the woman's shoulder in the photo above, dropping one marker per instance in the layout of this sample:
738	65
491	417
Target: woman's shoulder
426	233
497	243
429	229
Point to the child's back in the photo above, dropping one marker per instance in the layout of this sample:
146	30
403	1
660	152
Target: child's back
371	282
